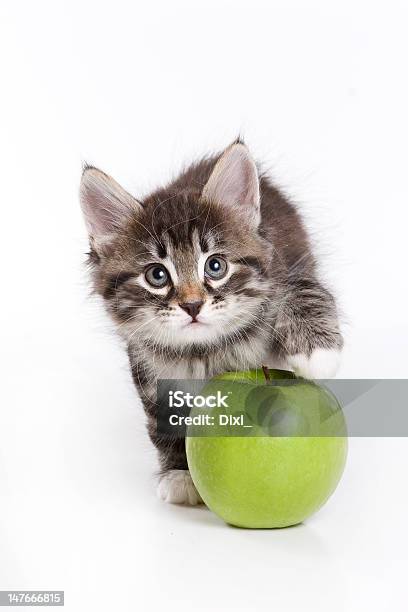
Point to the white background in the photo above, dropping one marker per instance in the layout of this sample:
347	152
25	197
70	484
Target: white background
319	91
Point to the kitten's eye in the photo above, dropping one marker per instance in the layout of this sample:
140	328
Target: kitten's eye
157	276
215	267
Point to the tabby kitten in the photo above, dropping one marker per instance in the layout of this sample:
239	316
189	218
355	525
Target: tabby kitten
214	272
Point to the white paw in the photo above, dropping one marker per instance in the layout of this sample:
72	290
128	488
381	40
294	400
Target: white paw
176	487
322	363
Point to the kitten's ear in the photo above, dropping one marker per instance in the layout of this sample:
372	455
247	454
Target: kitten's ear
234	182
105	204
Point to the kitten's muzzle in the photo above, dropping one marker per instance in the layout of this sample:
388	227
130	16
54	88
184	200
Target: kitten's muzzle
192	308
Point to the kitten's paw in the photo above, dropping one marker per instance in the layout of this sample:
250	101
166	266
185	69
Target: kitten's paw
176	487
321	363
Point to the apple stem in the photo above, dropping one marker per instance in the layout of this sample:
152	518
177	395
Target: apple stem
265	370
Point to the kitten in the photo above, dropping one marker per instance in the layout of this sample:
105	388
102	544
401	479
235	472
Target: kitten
212	273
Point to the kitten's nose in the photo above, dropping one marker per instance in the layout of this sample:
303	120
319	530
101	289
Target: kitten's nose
193	308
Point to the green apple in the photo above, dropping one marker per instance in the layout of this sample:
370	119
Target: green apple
282	457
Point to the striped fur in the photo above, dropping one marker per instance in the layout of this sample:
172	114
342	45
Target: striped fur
270	308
